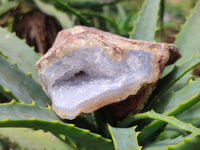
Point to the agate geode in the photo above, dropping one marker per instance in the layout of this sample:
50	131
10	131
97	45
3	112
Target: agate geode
87	69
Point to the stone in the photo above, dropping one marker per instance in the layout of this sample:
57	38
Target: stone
87	69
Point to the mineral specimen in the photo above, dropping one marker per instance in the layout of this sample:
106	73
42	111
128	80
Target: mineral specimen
87	69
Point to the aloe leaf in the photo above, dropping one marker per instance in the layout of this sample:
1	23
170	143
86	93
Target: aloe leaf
4	91
169	133
103	17
18	115
21	85
191	115
29	139
175	103
122	17
188	43
167	143
167	119
51	10
188	143
188	38
179	72
151	129
14	110
18	51
176	98
124	138
166	83
89	4
83	137
162	11
66	7
8	6
146	23
107	12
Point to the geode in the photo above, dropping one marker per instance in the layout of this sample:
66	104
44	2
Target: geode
87	69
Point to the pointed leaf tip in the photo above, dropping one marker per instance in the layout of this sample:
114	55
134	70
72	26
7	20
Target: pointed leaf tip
34	103
13	101
124	138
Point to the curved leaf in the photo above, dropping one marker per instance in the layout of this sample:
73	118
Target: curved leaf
5	7
124	138
168	81
188	43
151	129
6	93
21	85
14	110
31	139
146	24
51	10
89	3
188	143
171	120
168	143
191	115
175	99
175	103
66	7
18	115
188	38
18	51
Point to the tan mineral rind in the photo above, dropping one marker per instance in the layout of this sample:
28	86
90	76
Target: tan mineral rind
117	48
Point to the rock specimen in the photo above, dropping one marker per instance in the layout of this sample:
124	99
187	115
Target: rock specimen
87	69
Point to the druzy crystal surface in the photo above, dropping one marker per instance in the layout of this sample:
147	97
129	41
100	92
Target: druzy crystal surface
87	69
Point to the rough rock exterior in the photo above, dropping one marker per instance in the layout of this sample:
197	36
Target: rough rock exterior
87	69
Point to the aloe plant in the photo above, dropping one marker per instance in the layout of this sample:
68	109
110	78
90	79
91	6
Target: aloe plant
170	120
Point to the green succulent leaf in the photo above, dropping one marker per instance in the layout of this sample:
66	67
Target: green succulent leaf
18	115
67	7
21	85
151	129
168	81
5	7
122	16
51	10
5	92
103	17
124	138
188	38
176	98
172	143
89	4
188	43
175	103
188	143
163	118
33	139
18	51
146	23
170	133
191	115
14	110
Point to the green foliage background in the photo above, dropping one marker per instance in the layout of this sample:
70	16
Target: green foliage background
171	118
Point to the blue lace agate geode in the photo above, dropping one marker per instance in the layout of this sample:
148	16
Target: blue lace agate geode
87	69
